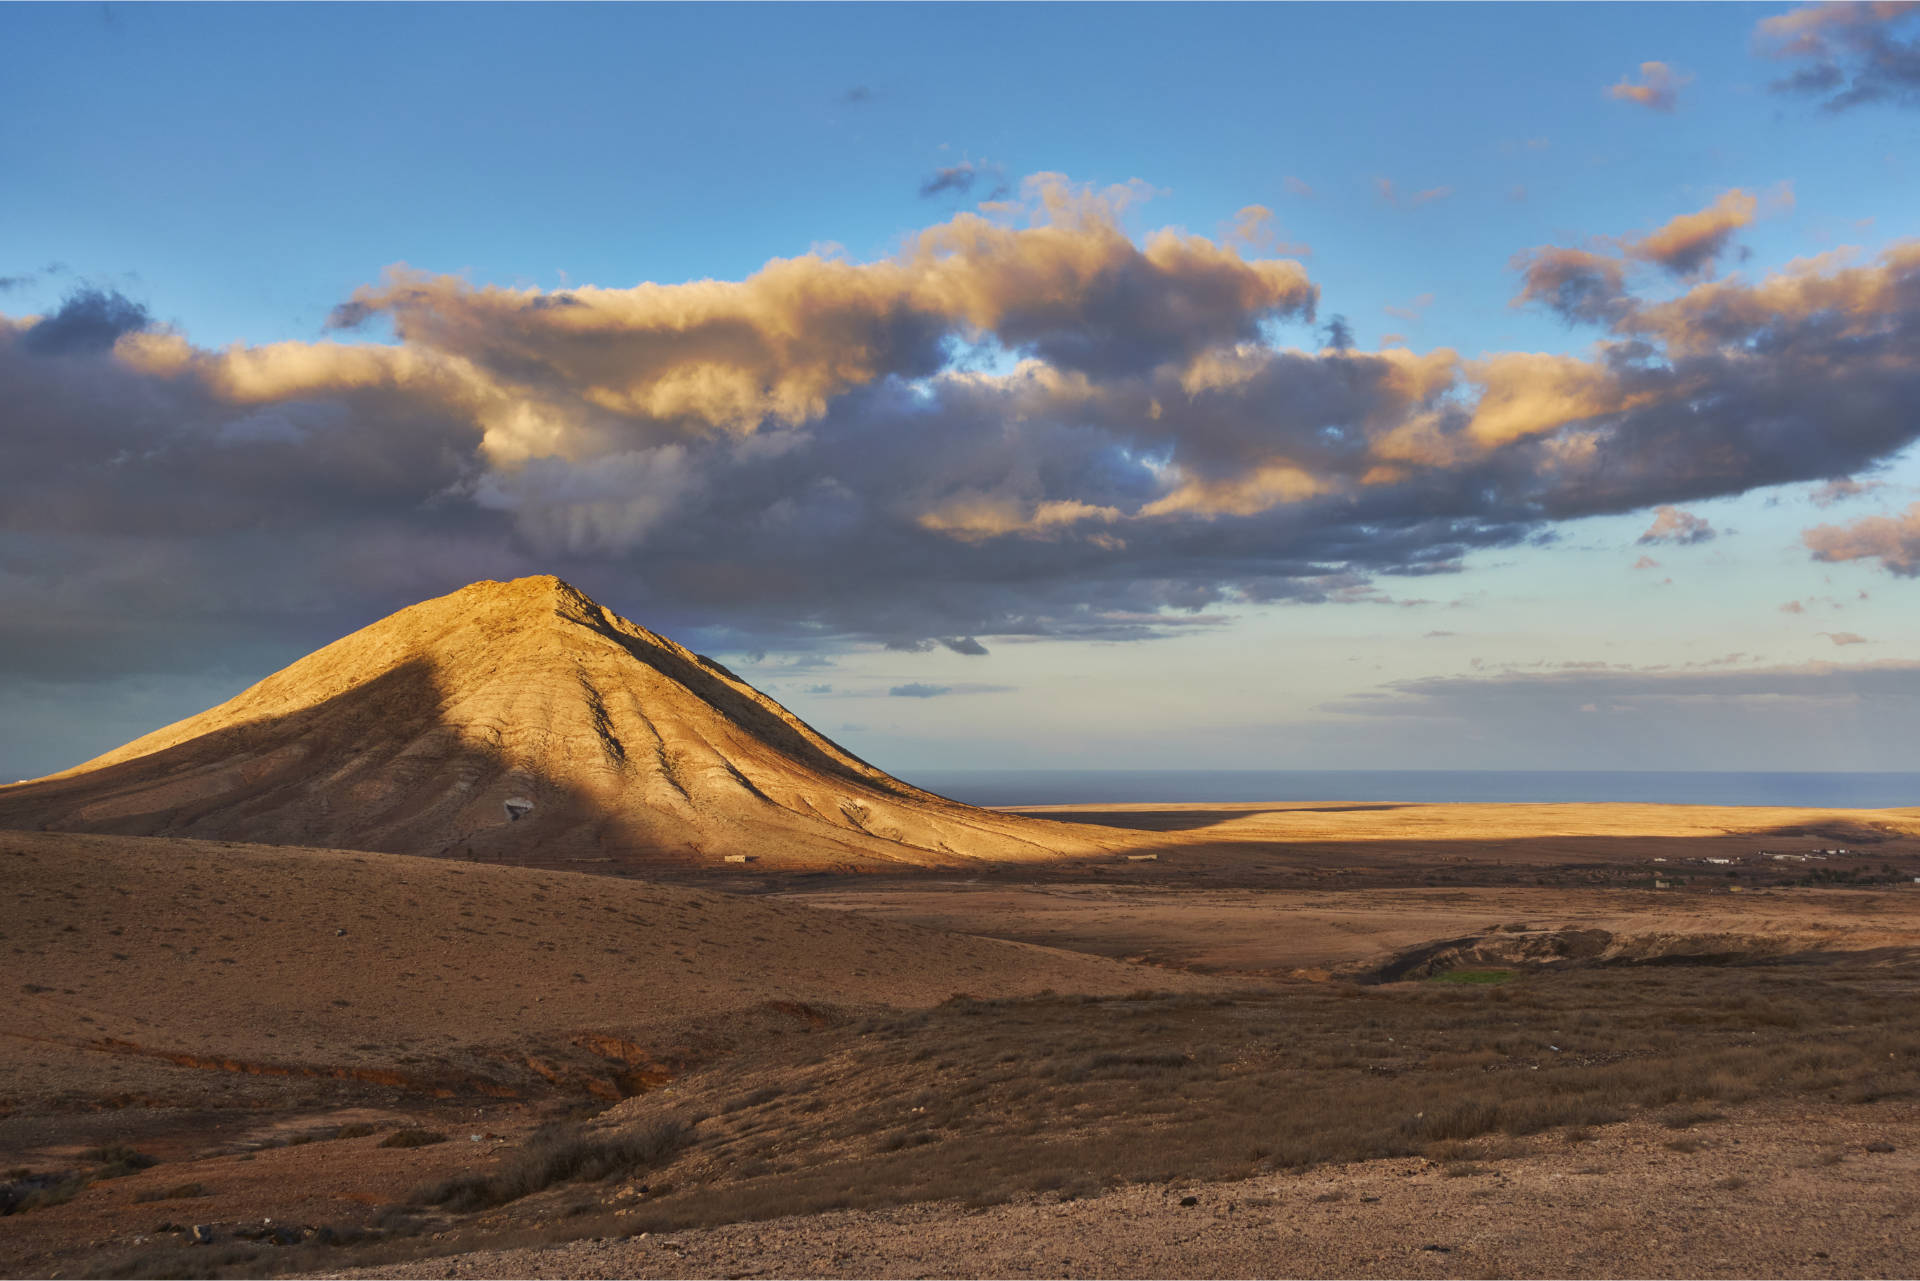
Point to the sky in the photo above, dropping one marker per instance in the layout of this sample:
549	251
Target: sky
1254	387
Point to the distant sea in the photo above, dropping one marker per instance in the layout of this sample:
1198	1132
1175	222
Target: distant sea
1076	787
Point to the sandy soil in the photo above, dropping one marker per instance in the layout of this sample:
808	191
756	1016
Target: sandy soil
1781	1191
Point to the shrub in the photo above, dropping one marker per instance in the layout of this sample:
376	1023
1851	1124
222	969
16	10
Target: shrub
117	1161
566	1157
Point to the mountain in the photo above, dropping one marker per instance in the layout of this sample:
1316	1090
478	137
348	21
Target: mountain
522	722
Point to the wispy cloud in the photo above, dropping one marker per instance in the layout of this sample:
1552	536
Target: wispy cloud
1392	195
961	179
1840	491
1657	89
1849	53
917	690
1671	525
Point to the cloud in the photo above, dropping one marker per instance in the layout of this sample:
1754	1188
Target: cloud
1391	195
1839	491
1688	245
1297	187
1413	310
1844	638
1646	562
1847	53
1685	690
960	180
1025	424
1894	541
1659	87
88	322
1581	286
1671	525
819	689
857	95
15	282
1588	286
964	645
1256	229
1712	716
1793	607
917	690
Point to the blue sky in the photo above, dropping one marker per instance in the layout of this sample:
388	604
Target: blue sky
236	172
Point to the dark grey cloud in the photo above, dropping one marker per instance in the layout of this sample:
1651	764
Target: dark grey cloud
1848	54
15	282
960	180
857	95
88	321
964	645
918	690
1582	287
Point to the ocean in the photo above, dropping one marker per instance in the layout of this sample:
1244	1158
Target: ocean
1075	787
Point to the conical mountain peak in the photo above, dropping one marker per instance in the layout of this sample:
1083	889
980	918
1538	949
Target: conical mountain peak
519	720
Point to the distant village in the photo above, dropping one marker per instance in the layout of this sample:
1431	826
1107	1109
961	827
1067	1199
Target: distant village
1850	876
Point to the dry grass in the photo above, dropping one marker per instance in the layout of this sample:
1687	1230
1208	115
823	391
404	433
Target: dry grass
985	1101
411	1138
179	1192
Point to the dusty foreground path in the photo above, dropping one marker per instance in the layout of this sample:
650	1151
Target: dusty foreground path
1772	1191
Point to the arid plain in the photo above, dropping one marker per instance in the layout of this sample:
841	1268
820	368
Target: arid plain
507	938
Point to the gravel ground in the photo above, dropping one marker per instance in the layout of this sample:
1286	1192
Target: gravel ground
1771	1191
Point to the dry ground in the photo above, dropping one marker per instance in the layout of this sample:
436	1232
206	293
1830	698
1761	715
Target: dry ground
1628	1081
1278	932
1769	1191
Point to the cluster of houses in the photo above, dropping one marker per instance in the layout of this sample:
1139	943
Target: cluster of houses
1809	856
